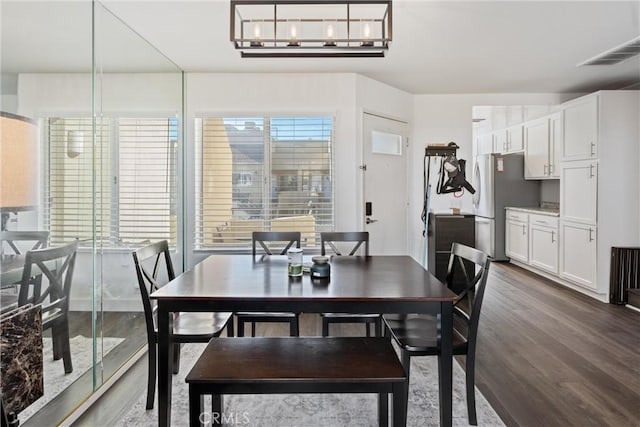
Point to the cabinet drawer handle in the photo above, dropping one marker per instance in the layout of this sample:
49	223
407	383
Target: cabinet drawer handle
545	170
590	235
591	174
550	168
523	229
593	146
541	222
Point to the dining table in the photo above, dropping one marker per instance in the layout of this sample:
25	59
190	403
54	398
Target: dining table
357	284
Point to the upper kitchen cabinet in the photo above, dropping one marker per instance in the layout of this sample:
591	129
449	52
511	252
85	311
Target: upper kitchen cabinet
509	140
542	147
581	129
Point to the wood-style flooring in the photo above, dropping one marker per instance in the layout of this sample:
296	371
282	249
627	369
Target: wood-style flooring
547	356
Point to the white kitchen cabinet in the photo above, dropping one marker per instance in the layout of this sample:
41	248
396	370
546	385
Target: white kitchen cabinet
500	141
515	140
556	141
542	144
536	151
581	129
509	140
543	243
578	257
517	236
578	191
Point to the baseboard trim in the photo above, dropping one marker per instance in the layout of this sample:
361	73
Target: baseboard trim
600	297
93	398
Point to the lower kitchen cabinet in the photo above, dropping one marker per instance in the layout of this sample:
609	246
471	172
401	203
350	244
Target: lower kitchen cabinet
543	248
517	236
578	254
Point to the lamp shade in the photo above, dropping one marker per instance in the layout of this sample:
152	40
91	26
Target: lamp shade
18	163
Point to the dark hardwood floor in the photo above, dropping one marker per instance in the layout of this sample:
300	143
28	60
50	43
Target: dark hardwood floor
547	356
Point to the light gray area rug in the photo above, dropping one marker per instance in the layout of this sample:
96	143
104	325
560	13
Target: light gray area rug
310	410
55	380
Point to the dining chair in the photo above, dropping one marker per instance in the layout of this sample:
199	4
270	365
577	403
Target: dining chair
418	335
56	264
355	239
34	239
40	239
187	327
262	238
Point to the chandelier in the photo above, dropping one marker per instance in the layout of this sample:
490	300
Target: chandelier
311	28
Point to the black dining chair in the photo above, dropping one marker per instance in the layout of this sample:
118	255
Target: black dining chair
418	335
356	240
187	327
56	265
262	239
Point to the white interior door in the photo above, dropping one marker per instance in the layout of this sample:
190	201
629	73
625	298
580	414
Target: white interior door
385	185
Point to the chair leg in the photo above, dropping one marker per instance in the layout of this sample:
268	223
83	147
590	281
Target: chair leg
471	390
253	329
151	375
293	327
368	325
230	327
400	399
325	327
65	346
176	358
240	327
56	341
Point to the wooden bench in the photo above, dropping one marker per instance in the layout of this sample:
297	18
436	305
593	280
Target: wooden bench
270	365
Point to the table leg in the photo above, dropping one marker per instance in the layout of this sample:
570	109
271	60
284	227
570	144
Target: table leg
445	360
165	356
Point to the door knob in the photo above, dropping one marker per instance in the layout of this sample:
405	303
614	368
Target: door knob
370	221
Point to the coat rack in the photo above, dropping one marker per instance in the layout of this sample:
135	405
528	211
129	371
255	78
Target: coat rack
433	150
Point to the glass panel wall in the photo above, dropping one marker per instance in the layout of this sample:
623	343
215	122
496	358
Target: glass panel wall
92	123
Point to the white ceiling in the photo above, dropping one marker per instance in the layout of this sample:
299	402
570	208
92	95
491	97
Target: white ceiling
438	46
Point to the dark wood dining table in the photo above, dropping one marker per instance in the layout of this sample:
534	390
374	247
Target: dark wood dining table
373	284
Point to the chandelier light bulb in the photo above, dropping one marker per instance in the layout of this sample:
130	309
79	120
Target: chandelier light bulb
257	36
293	31
366	35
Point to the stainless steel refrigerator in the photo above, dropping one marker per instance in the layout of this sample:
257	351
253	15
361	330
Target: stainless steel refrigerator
499	182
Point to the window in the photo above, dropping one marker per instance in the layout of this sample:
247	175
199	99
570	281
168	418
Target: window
262	173
135	176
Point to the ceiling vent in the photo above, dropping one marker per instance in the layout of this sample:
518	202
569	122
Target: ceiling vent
615	55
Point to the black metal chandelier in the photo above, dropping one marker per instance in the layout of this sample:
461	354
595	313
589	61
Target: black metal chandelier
311	28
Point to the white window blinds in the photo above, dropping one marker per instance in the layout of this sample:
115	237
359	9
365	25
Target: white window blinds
262	173
69	194
135	173
147	180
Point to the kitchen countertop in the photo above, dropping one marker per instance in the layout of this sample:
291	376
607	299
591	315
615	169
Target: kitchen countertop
537	210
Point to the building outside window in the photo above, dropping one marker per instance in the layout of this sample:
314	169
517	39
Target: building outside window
262	174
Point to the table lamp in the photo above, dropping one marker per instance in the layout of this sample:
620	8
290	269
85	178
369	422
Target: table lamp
18	165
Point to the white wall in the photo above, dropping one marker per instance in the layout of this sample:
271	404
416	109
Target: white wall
332	94
444	118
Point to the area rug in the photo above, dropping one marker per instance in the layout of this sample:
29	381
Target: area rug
310	410
55	380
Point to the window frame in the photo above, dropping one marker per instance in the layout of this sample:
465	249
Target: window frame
112	242
197	176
